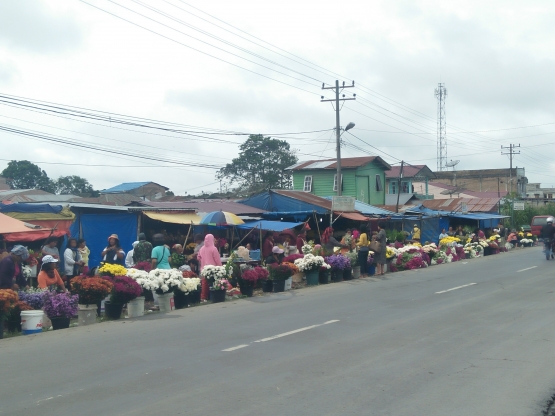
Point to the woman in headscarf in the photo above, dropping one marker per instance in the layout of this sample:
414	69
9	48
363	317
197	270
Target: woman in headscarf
48	276
72	260
113	254
208	255
11	270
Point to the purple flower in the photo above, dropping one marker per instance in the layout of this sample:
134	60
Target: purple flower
338	261
34	299
62	305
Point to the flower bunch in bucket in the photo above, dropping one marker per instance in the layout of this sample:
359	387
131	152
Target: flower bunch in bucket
251	276
220	284
311	262
107	269
165	281
33	297
279	272
90	290
124	290
338	262
190	284
60	305
7	299
212	273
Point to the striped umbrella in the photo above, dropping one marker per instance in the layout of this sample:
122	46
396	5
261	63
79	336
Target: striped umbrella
221	218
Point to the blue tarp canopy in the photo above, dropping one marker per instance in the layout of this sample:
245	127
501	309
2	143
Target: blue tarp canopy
273	202
476	216
31	208
269	225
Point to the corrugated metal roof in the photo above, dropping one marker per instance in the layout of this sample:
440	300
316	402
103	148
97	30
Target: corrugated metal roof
305	197
204	206
347	163
410	171
473	204
128	186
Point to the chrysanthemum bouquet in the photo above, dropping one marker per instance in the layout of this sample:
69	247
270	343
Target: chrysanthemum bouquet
311	262
60	305
214	272
220	284
108	269
33	297
190	284
165	281
338	261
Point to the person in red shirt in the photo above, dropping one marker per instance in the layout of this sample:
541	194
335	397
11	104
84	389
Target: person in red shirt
49	276
267	244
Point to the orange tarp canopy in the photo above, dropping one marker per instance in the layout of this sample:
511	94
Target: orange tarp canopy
15	230
356	216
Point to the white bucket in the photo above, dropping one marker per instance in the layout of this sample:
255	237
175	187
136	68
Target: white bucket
165	302
288	283
136	307
31	322
87	314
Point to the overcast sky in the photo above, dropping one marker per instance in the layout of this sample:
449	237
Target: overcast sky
496	59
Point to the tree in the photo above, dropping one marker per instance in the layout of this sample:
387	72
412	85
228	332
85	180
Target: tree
74	185
260	165
22	174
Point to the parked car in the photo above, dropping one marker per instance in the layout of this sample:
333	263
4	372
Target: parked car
537	223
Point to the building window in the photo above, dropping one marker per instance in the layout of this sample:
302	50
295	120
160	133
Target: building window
404	187
335	182
393	187
307	184
379	186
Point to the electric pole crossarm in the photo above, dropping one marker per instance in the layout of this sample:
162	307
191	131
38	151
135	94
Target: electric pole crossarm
341	99
337	89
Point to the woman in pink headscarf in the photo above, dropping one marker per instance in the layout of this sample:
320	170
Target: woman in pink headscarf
208	255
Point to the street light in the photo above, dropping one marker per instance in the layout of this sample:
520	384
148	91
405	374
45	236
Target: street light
338	163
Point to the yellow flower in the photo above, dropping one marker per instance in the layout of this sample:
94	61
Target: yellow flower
390	253
113	269
449	240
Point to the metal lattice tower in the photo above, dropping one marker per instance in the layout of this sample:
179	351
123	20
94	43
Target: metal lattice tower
441	95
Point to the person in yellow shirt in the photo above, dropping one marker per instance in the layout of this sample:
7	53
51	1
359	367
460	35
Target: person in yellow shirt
416	233
363	250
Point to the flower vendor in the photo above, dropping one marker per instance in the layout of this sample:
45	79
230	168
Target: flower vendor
11	270
443	234
276	257
363	251
160	256
415	233
85	252
379	258
113	253
208	255
348	240
50	248
267	244
329	241
48	276
72	260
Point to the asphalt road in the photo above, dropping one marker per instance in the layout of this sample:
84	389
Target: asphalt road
366	347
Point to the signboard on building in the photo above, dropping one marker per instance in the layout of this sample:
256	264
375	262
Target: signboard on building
518	205
464	208
343	203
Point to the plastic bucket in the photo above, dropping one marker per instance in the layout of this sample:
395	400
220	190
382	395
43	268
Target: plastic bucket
288	283
31	322
166	302
136	307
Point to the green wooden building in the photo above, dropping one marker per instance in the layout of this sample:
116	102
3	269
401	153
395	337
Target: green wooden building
363	178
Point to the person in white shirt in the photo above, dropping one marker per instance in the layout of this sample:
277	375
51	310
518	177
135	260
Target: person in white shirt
129	262
72	261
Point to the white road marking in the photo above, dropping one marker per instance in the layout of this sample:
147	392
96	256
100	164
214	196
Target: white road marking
455	288
529	268
281	335
306	328
236	348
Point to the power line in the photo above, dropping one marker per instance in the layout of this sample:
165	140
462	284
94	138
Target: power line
198	50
